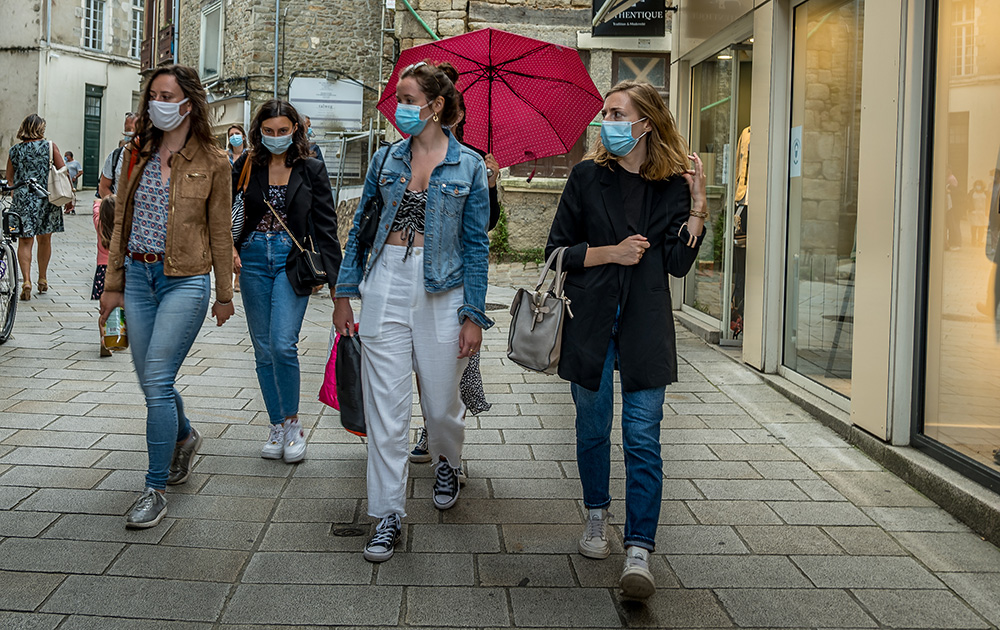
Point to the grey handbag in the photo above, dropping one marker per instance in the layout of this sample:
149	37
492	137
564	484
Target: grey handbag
535	340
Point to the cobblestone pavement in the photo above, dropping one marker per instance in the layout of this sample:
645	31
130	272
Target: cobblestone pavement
769	519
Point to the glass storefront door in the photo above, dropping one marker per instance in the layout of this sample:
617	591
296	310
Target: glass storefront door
962	360
720	133
823	191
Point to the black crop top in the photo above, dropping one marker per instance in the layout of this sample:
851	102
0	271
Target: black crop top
410	217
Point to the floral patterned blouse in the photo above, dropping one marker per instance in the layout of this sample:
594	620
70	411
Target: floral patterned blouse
151	206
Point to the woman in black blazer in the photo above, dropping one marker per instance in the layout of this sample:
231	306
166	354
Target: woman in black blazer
627	215
286	196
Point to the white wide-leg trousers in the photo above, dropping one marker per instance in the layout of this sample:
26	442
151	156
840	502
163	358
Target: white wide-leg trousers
404	329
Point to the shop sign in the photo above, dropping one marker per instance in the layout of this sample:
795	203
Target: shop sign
331	105
645	18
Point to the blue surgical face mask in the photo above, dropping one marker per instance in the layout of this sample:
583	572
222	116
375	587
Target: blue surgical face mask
277	144
408	118
310	132
616	136
236	139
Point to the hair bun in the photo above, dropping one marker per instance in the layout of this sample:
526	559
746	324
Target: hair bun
449	71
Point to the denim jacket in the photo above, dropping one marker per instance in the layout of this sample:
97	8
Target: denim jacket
456	245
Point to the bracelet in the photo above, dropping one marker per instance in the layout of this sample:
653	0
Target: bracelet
699	214
224	303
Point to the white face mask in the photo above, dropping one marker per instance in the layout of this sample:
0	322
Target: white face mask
166	116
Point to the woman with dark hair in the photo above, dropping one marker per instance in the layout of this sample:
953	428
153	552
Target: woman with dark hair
634	195
39	218
423	285
235	142
172	227
287	202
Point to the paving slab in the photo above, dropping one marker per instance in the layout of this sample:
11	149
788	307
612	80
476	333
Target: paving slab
676	608
57	556
912	608
866	572
152	561
307	568
29	621
138	598
267	604
787	540
783	608
951	552
550	607
737	572
23	590
525	570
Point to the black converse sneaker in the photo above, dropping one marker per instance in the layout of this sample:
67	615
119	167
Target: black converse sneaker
383	542
420	453
446	486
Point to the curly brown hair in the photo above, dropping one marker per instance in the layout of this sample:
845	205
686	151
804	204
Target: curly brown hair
300	143
434	81
148	137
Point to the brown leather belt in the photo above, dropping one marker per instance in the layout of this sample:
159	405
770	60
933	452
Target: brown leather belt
145	257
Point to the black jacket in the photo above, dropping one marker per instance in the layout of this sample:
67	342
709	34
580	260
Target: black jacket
589	215
309	197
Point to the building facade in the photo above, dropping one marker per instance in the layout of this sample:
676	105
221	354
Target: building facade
854	246
76	64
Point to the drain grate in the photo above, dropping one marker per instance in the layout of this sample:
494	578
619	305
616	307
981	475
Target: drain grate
347	532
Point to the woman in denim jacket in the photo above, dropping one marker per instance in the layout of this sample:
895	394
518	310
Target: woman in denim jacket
423	287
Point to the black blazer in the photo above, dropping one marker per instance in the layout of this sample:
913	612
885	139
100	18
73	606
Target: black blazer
589	215
308	197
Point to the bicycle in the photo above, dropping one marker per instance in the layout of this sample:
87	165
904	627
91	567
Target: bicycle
9	280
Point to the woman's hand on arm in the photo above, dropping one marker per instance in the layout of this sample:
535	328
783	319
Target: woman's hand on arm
343	316
470	339
695	178
627	253
237	263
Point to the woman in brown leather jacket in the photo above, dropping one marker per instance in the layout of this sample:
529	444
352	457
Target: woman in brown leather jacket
172	226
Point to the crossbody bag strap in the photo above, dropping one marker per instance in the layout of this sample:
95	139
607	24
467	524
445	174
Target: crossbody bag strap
278	217
244	175
51	162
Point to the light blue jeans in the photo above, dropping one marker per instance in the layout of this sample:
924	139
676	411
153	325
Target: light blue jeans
274	316
163	316
642	412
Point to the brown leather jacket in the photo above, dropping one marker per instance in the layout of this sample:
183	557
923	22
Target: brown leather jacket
199	225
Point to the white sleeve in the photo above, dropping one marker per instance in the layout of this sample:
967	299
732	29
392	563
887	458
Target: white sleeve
108	170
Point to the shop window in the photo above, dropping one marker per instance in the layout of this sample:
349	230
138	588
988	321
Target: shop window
136	30
961	361
827	60
211	40
652	69
964	26
93	24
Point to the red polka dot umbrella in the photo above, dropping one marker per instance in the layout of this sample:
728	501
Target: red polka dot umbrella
525	99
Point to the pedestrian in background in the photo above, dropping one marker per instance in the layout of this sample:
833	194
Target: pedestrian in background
29	159
287	200
311	136
633	195
173	224
111	172
104	224
74	168
235	142
423	286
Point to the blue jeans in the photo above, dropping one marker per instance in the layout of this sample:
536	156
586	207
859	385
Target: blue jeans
163	315
274	316
641	414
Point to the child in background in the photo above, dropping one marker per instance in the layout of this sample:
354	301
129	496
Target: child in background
104	223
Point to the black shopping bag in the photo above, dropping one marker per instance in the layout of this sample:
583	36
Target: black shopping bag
348	366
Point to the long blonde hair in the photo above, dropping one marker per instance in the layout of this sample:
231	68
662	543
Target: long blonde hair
666	150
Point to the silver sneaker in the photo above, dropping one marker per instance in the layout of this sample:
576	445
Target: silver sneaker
637	581
295	442
180	467
383	542
594	542
147	511
275	445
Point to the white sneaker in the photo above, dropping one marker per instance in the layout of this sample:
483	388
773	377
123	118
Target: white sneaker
637	581
594	542
275	444
295	442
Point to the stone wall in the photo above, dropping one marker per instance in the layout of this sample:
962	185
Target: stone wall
317	37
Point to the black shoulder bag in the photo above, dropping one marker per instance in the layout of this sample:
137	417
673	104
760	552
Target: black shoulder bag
372	213
304	267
